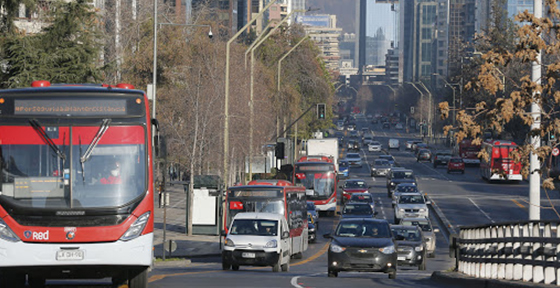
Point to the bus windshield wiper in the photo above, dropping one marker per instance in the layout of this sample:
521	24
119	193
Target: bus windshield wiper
102	129
37	126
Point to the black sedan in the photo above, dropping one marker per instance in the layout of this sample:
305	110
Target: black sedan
411	246
357	210
363	245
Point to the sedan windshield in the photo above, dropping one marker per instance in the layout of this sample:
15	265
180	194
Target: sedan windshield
411	199
357	209
407	234
362	229
355	184
423	225
401	188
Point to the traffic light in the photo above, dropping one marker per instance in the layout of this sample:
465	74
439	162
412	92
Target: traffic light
279	150
321	111
552	137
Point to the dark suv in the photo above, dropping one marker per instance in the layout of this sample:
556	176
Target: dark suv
363	245
441	158
398	176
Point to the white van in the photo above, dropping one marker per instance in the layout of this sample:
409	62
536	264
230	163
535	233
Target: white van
257	239
394	144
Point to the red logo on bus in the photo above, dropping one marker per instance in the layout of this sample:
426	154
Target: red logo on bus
236	205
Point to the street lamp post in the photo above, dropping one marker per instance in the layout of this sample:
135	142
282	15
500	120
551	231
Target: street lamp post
252	48
452	87
226	95
430	122
422	100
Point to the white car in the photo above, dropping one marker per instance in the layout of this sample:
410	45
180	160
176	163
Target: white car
354	159
411	205
394	144
374	146
399	126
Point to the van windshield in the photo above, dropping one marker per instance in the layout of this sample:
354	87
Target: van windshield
258	227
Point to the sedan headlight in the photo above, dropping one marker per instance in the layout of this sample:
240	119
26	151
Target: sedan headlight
422	210
6	233
271	244
311	229
401	210
418	248
337	249
229	243
387	250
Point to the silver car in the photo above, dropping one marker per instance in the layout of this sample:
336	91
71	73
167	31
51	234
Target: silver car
380	167
428	231
374	146
411	205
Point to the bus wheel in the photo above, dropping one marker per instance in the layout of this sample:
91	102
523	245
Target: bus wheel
138	278
36	281
12	280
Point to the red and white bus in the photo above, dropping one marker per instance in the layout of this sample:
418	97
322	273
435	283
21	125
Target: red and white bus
318	175
469	151
57	217
272	196
500	165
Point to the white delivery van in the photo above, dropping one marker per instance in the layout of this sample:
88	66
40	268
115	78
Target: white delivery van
257	239
394	144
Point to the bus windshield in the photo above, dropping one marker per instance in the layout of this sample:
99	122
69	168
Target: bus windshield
58	176
322	183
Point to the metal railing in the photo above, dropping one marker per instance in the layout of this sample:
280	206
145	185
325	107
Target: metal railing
525	251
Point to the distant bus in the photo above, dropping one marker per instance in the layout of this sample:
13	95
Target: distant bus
469	151
500	165
272	196
76	191
318	175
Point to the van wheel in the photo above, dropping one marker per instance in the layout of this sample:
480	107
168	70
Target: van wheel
225	265
298	255
235	267
333	273
276	266
16	280
393	275
286	267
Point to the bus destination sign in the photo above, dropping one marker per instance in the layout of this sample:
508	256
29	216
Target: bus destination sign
72	107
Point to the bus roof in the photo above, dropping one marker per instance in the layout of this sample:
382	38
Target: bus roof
271	182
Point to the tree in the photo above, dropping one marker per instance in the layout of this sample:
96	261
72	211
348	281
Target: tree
67	51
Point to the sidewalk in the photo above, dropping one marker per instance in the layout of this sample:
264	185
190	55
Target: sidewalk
175	230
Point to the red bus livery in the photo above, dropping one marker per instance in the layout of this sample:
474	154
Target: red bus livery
469	152
318	176
57	218
500	166
272	196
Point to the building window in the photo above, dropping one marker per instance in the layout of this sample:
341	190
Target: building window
426	33
426	70
426	52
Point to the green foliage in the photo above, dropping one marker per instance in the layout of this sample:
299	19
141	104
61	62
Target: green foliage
67	51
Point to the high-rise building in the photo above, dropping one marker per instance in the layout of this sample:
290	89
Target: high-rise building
376	48
323	30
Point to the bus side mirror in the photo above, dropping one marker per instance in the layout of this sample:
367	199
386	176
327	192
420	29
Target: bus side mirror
155	123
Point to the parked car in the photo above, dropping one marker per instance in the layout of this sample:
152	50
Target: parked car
363	245
456	164
380	167
428	230
389	158
352	186
399	126
411	205
424	155
411	245
363	198
354	159
374	146
398	176
314	212
386	125
394	144
441	157
357	210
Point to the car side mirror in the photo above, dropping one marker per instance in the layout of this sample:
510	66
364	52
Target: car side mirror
327	236
285	235
436	230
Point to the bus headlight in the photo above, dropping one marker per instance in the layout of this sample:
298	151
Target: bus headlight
6	233
137	227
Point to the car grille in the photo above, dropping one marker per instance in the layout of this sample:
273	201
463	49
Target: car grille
361	253
411	210
404	250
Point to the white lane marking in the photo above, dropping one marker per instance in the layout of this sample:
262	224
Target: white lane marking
483	213
294	280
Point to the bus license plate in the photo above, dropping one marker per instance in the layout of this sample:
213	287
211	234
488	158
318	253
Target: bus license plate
65	255
248	255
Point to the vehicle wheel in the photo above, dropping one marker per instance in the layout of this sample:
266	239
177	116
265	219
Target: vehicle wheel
138	278
422	265
333	273
225	265
276	266
286	267
35	281
298	255
235	267
393	275
12	280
